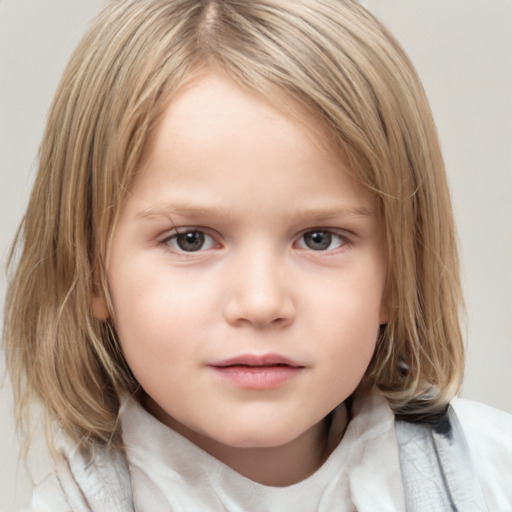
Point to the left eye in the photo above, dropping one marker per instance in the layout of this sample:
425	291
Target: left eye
321	240
190	241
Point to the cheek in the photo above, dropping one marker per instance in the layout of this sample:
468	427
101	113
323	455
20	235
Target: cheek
350	304
346	357
155	315
347	325
350	343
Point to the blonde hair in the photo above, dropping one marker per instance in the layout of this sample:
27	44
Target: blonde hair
331	57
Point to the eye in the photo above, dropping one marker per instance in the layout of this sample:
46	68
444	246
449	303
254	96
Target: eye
321	240
190	240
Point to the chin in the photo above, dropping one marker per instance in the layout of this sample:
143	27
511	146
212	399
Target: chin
257	439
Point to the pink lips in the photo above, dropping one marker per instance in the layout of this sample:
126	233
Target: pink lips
257	372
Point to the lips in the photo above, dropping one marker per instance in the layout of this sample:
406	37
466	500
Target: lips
257	361
257	372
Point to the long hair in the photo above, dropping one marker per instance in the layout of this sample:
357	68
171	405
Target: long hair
332	58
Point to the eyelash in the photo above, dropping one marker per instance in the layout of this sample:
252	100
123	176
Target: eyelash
342	240
183	232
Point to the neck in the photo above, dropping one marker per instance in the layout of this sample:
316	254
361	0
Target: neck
278	466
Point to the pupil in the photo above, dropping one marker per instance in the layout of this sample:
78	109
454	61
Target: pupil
318	240
190	241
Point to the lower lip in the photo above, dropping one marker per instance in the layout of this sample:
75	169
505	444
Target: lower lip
257	377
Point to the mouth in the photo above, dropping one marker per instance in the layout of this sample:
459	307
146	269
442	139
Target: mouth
257	372
256	361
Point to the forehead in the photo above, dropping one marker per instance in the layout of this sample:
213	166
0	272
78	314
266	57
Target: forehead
210	96
216	142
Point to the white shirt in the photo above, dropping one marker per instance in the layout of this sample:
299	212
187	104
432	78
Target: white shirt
166	472
169	473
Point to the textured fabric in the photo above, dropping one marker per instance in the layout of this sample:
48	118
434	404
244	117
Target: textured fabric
77	485
488	433
422	476
363	472
437	469
468	469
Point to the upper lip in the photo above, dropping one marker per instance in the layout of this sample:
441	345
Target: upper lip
257	360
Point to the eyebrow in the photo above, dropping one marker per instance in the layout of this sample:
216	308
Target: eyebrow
337	211
202	212
185	210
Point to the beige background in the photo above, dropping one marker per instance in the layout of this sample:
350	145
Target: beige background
463	52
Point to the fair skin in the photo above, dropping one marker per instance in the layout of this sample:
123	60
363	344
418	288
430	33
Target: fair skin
259	315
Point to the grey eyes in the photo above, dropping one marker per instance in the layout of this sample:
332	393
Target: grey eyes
195	240
320	240
191	241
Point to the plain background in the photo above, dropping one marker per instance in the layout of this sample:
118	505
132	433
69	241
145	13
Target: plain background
463	52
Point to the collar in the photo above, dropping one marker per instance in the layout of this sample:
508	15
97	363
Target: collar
362	473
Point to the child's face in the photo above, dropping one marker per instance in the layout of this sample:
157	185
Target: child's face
261	315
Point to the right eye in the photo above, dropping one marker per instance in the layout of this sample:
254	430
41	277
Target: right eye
190	240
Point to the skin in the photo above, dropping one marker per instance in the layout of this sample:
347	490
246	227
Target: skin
258	184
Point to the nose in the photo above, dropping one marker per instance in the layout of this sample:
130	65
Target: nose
259	292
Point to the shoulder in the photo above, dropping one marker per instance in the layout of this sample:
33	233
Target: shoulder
54	486
488	433
78	482
488	430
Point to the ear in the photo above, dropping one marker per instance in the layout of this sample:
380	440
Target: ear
99	306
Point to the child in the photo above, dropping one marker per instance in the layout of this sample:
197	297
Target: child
238	283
